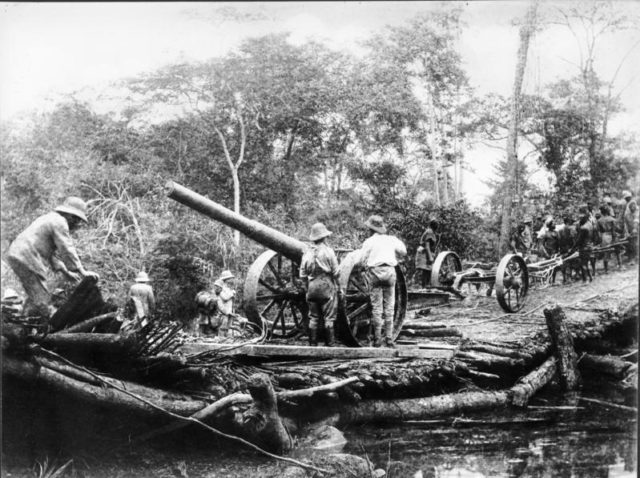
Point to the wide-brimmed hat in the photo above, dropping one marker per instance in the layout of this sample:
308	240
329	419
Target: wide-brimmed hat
226	275
142	277
319	231
527	219
376	223
606	200
74	205
626	194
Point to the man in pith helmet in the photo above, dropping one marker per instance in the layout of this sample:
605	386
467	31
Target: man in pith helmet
141	294
225	295
47	245
319	270
380	255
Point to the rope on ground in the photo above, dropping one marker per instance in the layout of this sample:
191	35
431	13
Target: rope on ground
189	419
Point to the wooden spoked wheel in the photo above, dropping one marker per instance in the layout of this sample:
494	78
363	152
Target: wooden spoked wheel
444	268
354	313
512	283
274	292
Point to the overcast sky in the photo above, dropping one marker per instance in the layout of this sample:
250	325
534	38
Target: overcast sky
47	49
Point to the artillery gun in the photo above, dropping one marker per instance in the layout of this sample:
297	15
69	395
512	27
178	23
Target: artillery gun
273	291
510	277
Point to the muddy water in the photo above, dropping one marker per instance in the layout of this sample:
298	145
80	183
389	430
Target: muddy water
590	441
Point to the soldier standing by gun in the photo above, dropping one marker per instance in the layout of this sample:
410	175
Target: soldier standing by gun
319	270
380	254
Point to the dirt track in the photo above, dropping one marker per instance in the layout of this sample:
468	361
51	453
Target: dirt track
480	318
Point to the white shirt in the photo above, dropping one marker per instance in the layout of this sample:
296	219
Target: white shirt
382	249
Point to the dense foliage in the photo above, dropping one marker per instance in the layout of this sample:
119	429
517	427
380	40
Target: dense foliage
290	135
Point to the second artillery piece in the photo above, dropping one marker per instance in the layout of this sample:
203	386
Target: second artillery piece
274	293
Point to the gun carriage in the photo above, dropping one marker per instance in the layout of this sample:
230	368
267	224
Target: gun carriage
273	293
509	278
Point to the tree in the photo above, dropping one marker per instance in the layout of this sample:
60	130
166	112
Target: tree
587	98
526	31
425	55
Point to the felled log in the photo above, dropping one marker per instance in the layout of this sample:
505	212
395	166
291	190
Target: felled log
484	362
528	385
89	345
107	394
609	365
261	423
424	325
500	351
449	404
89	324
368	411
431	332
83	303
563	350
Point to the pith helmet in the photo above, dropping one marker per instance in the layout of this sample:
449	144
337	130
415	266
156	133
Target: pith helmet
226	275
376	223
142	277
626	194
606	200
74	205
319	231
527	219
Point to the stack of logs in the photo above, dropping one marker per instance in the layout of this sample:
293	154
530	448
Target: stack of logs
192	389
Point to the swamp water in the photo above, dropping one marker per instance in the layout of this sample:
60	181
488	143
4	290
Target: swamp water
588	441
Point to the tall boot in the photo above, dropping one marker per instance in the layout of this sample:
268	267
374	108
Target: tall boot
313	337
377	336
329	336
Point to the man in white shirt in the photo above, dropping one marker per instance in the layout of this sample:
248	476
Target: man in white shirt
380	256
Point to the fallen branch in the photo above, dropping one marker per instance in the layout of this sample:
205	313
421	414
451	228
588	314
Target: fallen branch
89	324
609	404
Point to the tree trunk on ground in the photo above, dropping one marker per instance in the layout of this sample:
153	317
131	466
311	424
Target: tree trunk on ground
609	365
84	302
103	395
261	423
88	344
530	384
89	324
421	408
526	31
433	332
563	349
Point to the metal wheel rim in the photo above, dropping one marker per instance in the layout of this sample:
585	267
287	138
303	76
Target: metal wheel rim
512	299
354	314
444	261
261	301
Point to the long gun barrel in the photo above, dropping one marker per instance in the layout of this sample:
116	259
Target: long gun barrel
264	235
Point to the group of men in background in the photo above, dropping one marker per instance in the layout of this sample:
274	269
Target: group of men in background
610	223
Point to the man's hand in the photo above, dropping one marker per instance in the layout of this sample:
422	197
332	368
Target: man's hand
91	274
74	276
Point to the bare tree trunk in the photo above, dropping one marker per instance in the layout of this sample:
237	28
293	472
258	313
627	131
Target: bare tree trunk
445	181
236	202
526	31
